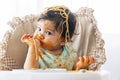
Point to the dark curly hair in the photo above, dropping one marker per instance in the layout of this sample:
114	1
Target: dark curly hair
59	19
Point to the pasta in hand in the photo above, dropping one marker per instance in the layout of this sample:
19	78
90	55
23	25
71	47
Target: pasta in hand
84	62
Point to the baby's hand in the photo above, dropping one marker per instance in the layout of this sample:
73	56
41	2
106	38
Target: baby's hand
28	39
84	62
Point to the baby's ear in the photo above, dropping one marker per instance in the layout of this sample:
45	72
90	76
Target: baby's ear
63	42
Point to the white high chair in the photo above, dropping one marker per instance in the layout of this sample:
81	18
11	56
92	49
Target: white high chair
86	40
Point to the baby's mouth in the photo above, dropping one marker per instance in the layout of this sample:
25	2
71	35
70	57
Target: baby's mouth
39	37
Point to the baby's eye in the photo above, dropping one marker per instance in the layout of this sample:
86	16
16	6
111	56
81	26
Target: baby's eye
48	33
39	29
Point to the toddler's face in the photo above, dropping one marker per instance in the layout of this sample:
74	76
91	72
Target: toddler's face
48	36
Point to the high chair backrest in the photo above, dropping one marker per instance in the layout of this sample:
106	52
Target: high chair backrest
13	51
86	40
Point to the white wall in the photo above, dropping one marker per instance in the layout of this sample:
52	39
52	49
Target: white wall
112	46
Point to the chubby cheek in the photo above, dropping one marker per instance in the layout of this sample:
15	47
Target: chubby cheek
51	43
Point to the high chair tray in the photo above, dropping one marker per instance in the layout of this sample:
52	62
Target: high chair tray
53	75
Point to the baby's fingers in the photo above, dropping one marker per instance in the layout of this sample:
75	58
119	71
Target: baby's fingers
81	59
91	60
86	59
25	37
83	62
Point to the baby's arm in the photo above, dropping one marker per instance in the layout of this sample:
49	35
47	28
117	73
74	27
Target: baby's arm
83	62
31	59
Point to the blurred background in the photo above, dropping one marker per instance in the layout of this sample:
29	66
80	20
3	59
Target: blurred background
106	12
